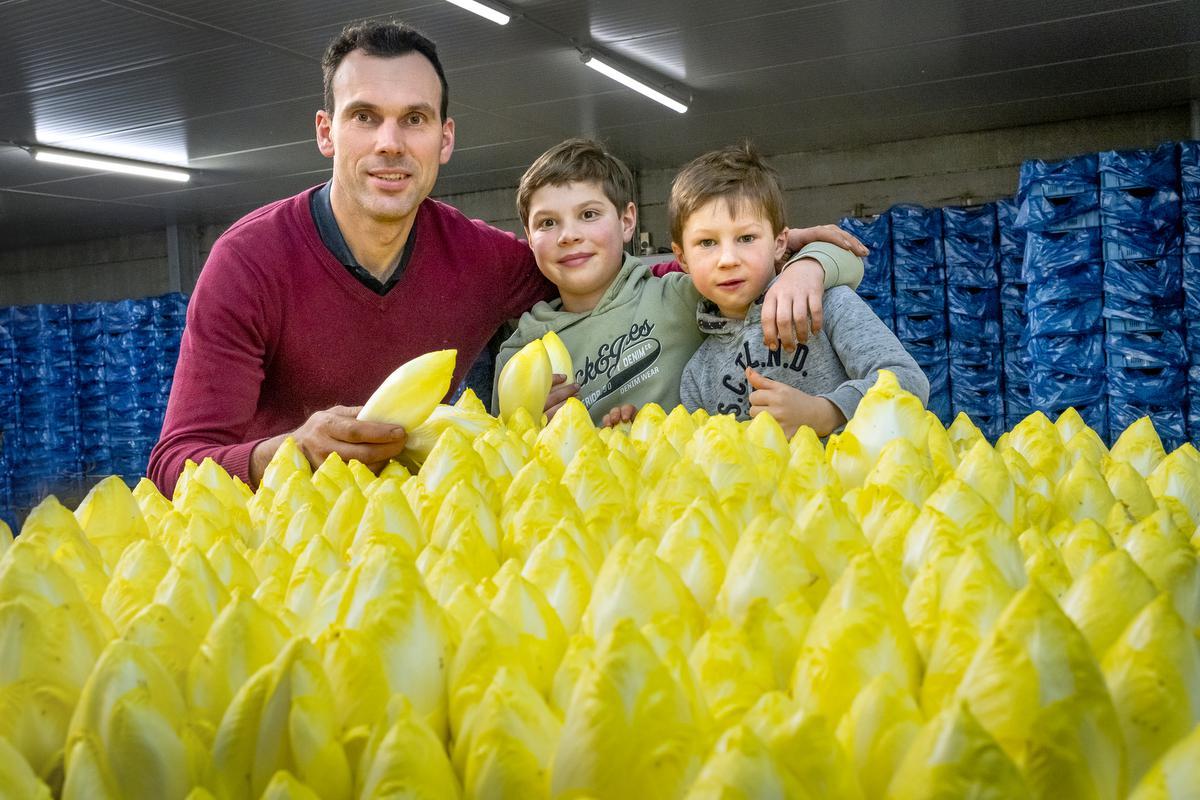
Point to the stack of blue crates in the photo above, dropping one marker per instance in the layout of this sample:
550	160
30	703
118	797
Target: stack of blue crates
131	377
169	313
973	314
46	454
1014	321
10	419
1060	211
1145	350
1189	190
876	287
919	278
86	335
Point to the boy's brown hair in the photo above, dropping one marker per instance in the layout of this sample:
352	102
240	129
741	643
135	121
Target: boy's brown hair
576	161
737	173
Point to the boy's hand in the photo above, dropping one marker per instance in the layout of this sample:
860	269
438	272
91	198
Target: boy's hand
618	415
792	304
798	237
560	392
791	407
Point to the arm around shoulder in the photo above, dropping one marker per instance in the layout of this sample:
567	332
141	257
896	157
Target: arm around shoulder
842	268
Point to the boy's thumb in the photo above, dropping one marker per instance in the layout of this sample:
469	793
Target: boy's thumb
756	380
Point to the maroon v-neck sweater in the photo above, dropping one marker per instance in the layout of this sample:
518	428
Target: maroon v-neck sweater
278	329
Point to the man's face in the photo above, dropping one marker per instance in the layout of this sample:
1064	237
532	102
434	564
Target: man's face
386	136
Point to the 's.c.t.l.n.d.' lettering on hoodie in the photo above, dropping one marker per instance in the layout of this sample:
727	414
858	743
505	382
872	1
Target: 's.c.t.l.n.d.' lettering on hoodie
840	363
630	348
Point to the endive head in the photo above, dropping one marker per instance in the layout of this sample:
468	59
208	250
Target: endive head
525	381
408	396
887	412
1139	446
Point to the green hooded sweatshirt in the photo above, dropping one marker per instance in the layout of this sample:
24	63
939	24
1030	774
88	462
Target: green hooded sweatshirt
632	347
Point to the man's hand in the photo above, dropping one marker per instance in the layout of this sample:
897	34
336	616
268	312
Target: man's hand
791	407
336	430
618	415
798	237
560	392
793	304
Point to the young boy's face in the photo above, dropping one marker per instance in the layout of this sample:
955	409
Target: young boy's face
577	236
730	252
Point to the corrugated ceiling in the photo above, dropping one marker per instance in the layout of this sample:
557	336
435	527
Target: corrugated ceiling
229	88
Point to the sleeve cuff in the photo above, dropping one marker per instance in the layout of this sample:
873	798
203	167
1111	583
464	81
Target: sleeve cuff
846	398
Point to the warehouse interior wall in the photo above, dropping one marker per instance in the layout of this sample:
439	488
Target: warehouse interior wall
820	187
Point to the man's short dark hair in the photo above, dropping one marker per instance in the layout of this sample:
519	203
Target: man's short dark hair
384	39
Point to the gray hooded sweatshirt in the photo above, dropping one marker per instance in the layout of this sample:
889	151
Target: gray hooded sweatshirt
840	363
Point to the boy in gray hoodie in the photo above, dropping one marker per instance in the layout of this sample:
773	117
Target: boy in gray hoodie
629	333
726	211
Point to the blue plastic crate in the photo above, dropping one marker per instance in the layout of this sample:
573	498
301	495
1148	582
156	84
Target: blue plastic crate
977	378
976	222
912	299
1162	314
1191	228
973	301
1065	317
1077	282
971	329
1047	252
1013	294
1011	238
1141	209
917	272
912	222
1066	176
928	352
1012	268
1125	243
915	327
974	352
986	276
1081	355
1150	281
1017	368
1142	168
1054	391
1167	385
1148	348
1189	171
1040	212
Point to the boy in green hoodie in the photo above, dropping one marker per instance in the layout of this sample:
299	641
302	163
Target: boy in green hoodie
629	333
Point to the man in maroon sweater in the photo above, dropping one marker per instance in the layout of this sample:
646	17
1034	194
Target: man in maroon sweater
306	305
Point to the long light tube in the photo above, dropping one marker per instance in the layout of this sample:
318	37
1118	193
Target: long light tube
486	11
617	75
106	164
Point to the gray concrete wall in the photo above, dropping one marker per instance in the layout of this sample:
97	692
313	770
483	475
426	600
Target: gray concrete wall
819	187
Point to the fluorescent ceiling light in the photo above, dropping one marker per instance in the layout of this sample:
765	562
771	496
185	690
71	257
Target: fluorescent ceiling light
493	13
617	75
90	161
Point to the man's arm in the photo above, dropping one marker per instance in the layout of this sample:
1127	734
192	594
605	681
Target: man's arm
219	373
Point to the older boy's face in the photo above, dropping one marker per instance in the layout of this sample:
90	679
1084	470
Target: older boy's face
578	237
730	254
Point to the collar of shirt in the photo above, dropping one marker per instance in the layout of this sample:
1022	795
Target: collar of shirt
331	235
